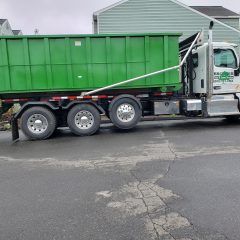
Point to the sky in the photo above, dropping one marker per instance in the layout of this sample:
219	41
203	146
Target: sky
70	16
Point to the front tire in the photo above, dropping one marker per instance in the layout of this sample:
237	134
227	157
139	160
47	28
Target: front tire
38	123
125	113
84	120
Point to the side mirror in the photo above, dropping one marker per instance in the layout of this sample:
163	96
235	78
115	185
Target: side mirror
195	60
237	71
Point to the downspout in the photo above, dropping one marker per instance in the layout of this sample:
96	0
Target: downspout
97	24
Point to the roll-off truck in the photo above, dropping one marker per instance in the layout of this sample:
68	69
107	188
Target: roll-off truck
71	80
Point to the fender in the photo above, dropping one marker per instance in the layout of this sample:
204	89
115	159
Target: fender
33	104
71	104
124	96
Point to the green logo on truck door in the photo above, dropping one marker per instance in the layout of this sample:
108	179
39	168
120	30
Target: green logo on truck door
223	77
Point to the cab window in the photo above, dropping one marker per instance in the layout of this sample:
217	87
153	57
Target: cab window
225	58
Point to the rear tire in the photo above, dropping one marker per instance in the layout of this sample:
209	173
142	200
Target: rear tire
38	123
125	113
84	120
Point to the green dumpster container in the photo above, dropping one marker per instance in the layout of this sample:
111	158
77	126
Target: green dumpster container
76	63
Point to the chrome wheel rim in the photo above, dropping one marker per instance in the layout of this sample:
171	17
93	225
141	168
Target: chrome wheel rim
125	112
84	120
37	124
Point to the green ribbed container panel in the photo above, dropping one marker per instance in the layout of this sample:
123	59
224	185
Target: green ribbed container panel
86	62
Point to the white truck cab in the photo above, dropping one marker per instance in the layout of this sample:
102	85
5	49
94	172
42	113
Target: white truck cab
225	69
211	77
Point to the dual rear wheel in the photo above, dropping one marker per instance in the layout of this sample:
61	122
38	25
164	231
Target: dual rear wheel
38	123
125	113
85	119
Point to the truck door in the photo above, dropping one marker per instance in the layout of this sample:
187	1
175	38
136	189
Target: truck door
226	71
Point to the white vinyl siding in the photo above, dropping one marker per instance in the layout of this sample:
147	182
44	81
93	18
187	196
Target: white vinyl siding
233	22
141	16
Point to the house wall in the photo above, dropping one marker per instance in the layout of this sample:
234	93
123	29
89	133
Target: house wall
136	16
233	22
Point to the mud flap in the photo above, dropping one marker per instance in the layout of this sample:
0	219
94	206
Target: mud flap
15	131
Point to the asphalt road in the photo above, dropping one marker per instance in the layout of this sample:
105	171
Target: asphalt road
163	180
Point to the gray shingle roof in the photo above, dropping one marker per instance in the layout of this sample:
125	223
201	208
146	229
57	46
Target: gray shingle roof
215	11
16	32
2	21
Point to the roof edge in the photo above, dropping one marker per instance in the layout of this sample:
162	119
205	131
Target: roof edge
235	17
3	21
109	7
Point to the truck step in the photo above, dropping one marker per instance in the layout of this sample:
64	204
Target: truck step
222	107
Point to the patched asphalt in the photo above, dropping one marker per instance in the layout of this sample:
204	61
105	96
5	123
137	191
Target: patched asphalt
162	180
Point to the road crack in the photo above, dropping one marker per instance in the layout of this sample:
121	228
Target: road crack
159	227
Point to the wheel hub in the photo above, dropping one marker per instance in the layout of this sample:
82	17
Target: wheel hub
84	120
37	123
125	112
